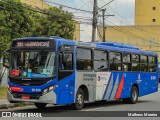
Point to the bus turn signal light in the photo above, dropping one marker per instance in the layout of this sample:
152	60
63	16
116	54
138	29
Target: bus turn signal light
16	89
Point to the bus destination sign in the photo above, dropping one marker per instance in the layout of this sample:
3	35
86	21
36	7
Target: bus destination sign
32	44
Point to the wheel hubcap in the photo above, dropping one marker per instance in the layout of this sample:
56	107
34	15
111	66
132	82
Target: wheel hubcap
134	95
80	99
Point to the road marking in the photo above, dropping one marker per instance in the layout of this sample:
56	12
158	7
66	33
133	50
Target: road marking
93	109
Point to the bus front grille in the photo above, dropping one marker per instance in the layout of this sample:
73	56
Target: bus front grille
31	96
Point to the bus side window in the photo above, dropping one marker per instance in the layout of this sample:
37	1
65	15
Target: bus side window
65	61
144	66
115	60
126	62
152	64
65	64
84	59
100	60
135	62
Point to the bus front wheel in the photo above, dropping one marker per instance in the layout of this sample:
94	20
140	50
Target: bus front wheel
40	105
79	100
133	97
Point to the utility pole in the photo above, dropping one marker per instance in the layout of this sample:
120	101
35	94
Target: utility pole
104	29
94	24
103	15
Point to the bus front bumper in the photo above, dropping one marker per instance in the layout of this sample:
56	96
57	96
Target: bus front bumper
49	97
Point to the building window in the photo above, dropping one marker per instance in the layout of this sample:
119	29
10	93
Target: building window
153	20
154	8
143	42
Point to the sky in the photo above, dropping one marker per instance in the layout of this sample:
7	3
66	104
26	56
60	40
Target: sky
122	9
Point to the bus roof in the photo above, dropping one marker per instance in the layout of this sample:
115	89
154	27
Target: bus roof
110	46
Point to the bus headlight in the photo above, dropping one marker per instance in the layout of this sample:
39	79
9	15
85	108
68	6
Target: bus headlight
48	89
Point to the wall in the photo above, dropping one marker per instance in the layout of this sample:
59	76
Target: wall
144	12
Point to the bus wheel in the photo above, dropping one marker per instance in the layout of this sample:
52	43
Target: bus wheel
133	97
40	105
79	101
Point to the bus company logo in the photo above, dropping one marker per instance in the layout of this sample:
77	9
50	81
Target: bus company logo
99	78
89	76
21	89
6	114
139	78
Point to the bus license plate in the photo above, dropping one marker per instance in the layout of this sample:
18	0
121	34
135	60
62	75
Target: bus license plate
26	97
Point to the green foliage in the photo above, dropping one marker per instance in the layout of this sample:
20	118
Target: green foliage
3	92
57	23
18	20
15	22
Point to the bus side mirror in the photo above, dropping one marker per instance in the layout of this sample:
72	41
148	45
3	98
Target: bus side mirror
6	58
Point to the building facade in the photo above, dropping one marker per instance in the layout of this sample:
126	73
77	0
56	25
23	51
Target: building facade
145	33
147	12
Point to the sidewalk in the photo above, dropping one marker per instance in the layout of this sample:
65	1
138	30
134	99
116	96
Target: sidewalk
3	101
5	104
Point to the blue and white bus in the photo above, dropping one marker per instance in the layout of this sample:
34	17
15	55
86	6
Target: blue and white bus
58	71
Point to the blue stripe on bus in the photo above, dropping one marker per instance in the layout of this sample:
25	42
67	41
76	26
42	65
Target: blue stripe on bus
114	82
107	87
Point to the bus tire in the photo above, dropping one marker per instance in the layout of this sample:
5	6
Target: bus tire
79	100
40	105
133	97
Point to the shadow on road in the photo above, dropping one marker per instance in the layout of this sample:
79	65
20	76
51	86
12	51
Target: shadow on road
61	109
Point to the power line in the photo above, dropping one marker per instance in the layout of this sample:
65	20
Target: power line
134	26
99	33
105	5
129	33
128	23
53	13
123	32
125	21
67	6
83	4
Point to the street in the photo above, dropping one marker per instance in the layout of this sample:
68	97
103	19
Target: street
147	103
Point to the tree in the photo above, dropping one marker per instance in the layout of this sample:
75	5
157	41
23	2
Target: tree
15	22
56	22
20	20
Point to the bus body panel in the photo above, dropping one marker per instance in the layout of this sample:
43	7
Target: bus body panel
107	85
66	90
66	86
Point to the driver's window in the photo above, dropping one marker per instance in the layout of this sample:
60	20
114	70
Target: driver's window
65	61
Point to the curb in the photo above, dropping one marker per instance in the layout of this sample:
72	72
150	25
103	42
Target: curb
12	105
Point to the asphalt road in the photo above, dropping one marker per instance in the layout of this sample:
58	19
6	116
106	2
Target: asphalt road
147	103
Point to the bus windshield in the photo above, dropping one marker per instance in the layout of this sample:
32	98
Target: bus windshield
32	64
